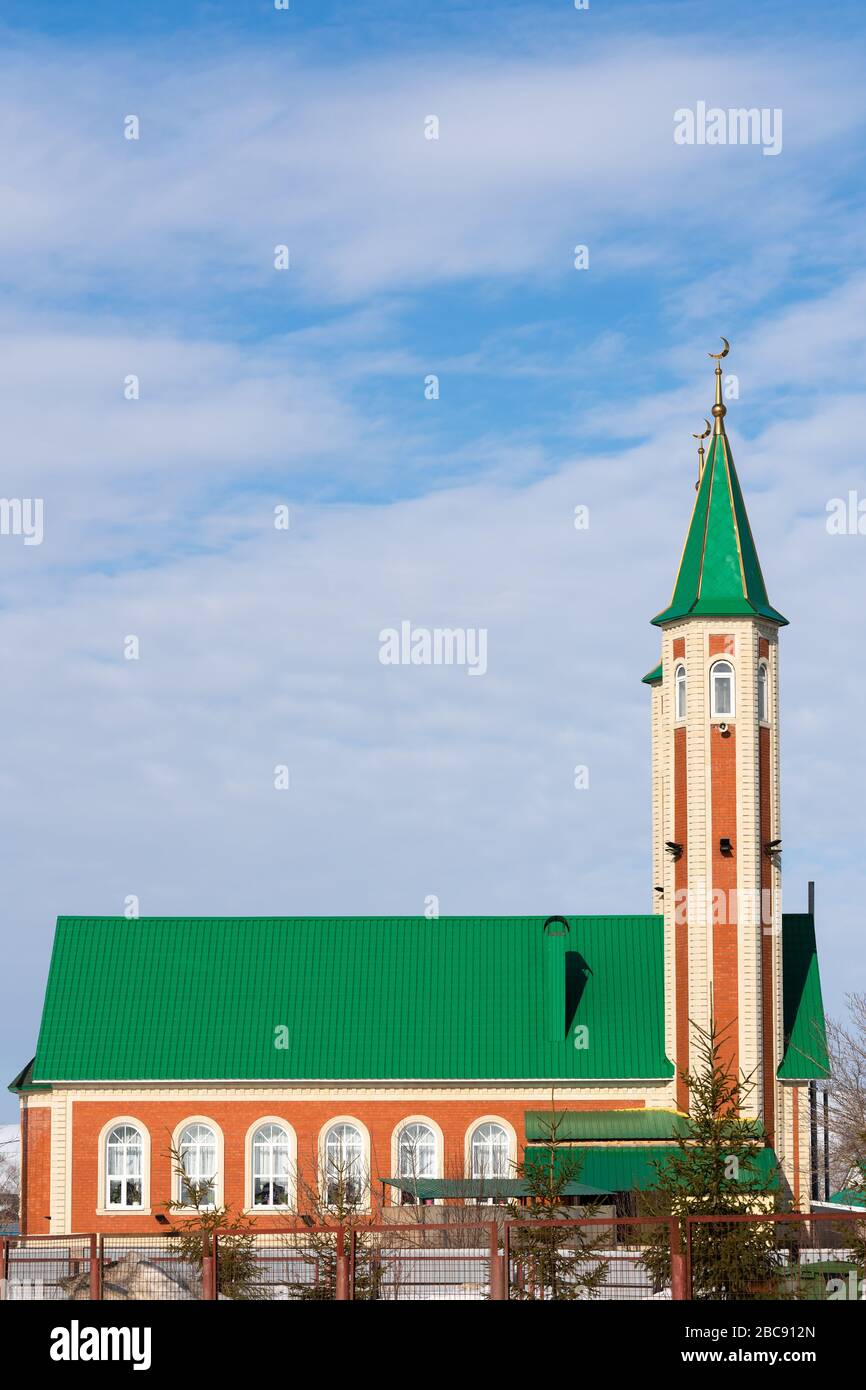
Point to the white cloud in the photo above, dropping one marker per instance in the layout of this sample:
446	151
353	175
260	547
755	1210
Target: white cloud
239	154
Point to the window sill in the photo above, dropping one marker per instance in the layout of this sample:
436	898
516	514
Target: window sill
269	1211
124	1211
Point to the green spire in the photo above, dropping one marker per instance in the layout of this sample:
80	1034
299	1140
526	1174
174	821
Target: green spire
720	574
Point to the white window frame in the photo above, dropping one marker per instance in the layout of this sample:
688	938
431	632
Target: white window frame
470	1146
250	1166
102	1205
764	683
396	1152
219	1146
723	716
363	1202
679	684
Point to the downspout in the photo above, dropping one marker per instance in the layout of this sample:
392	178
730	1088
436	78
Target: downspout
814	1187
23	1165
826	1144
813	1140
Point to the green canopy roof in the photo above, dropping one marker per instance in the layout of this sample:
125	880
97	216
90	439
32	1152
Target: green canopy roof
562	1125
628	1168
478	1189
848	1198
806	1057
720	574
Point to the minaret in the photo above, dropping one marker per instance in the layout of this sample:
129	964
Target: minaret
716	872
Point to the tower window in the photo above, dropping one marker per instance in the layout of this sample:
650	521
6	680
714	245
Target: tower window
763	694
680	692
722	690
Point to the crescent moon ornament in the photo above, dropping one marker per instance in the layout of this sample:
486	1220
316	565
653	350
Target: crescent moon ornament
706	432
725	350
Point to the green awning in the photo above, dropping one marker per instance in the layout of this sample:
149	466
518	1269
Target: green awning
545	1125
625	1167
653	677
477	1189
851	1198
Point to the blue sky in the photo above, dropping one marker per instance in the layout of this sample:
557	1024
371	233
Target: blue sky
306	387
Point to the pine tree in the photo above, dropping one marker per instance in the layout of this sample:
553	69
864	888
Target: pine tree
239	1274
715	1171
554	1262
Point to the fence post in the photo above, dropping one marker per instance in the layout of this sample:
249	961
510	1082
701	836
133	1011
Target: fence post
679	1278
209	1267
96	1256
342	1267
498	1270
4	1266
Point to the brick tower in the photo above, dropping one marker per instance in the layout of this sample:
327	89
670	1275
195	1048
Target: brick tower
715	775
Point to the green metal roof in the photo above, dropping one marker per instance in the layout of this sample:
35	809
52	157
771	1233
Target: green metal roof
479	1189
806	1057
622	1168
720	574
653	677
363	998
546	1125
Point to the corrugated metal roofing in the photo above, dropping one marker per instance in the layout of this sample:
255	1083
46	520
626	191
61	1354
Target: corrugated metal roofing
479	1189
561	1125
806	1057
622	1168
359	999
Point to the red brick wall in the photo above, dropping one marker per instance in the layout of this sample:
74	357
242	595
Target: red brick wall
306	1117
36	1170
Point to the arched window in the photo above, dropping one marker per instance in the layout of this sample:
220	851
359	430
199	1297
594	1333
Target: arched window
722	690
680	692
197	1148
124	1167
270	1166
344	1166
490	1152
416	1157
763	693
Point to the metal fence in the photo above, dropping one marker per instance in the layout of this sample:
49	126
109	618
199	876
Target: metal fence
419	1262
755	1257
620	1259
48	1267
780	1256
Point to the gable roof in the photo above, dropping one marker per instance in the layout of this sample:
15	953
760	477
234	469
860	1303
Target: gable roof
720	574
383	998
806	1057
366	998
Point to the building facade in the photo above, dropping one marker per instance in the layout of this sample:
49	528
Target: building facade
276	1065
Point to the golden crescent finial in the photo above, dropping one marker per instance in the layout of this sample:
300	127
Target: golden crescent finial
706	432
725	350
